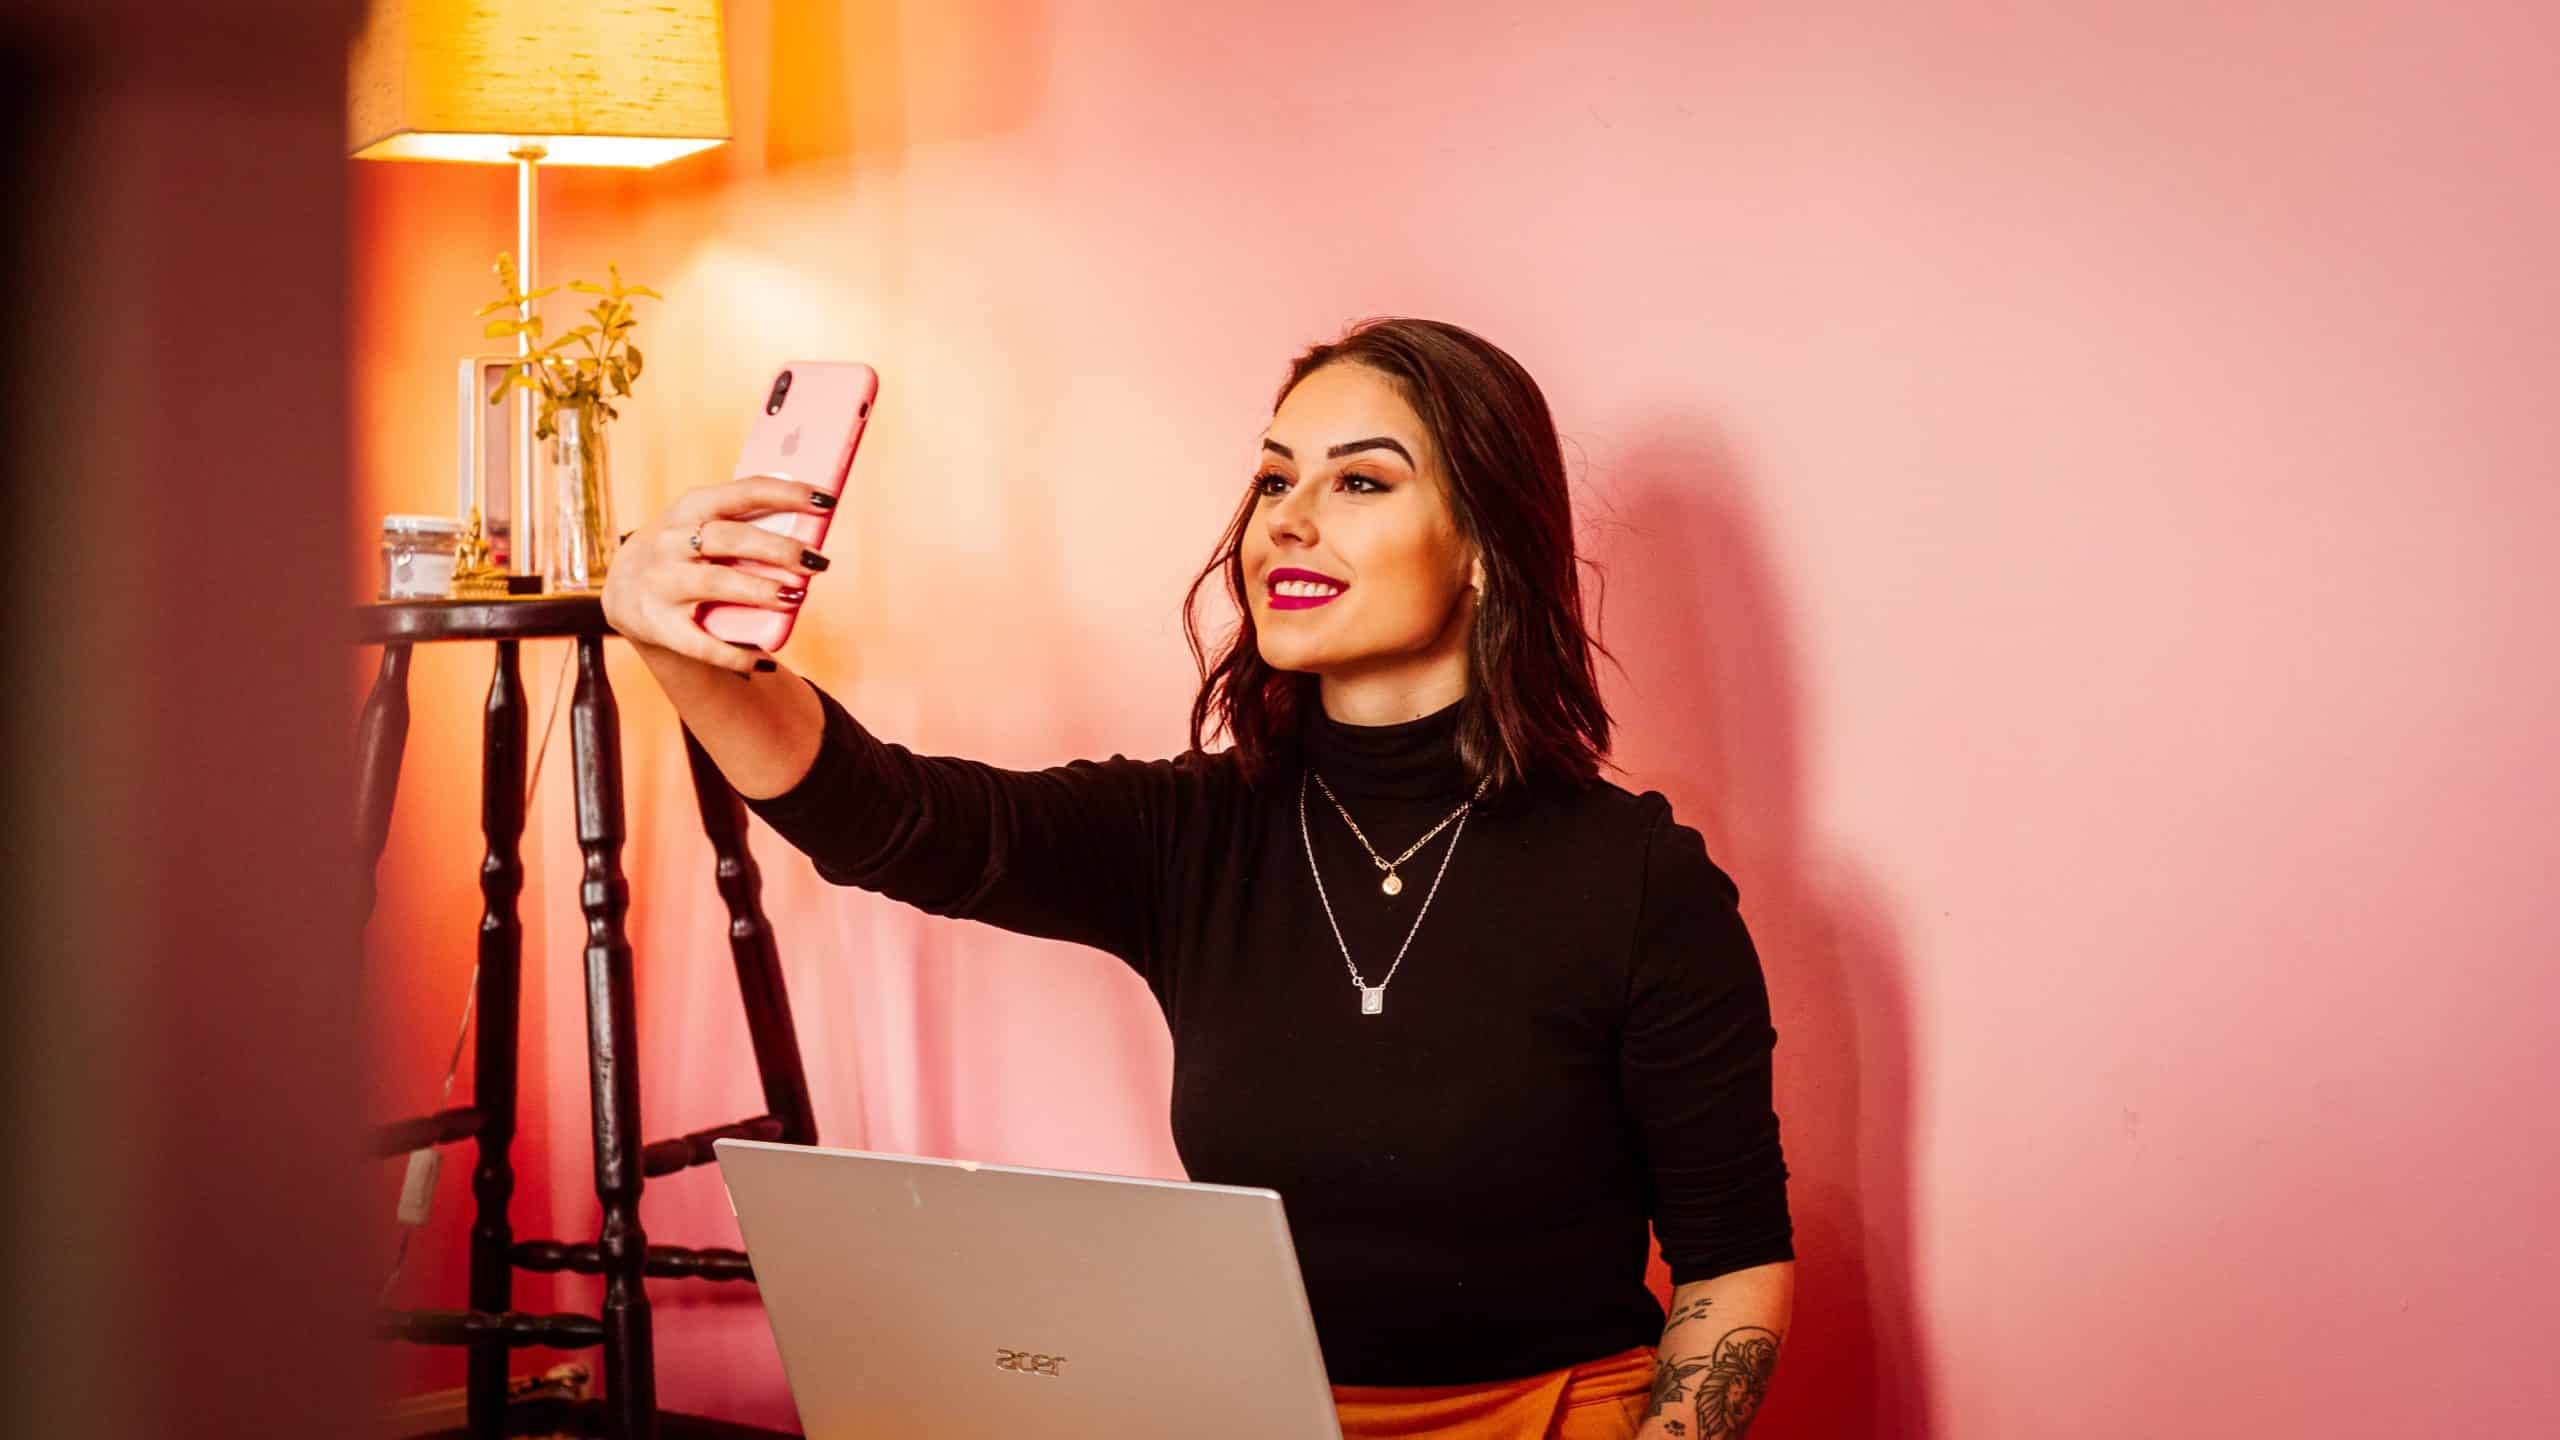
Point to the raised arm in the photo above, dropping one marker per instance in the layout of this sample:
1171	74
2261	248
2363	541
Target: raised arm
1075	852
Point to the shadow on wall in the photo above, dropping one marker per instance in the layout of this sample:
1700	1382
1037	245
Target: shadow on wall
818	84
1709	665
813	85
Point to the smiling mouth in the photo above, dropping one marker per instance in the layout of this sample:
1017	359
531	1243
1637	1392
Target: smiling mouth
1297	593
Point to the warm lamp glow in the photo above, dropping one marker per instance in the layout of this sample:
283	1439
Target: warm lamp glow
632	151
591	82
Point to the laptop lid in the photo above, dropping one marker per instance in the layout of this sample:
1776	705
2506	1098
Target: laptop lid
918	1297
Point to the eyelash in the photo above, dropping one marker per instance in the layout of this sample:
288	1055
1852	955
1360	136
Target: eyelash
1261	481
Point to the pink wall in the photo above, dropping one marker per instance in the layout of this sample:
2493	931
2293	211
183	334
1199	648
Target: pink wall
2071	481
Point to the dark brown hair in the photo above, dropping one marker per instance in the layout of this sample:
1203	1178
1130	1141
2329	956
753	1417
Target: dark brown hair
1533	699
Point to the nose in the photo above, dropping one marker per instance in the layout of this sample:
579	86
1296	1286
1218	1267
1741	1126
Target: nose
1290	519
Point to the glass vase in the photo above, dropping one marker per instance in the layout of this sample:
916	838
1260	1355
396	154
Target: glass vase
581	541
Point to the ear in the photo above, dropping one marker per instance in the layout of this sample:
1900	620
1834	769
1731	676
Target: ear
1476	583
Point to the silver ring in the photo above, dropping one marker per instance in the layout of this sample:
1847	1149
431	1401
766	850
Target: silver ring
697	539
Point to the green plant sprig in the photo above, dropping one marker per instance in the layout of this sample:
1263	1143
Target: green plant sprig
555	370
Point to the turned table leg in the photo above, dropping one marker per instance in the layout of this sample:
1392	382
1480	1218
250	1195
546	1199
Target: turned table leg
493	1082
751	947
612	1049
380	736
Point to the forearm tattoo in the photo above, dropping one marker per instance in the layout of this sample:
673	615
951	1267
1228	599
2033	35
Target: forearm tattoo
1691	1311
1719	1392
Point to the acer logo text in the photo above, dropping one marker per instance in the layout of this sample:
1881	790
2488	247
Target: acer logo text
1023	1362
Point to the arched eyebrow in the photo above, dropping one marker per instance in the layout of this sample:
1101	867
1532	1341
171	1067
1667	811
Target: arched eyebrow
1374	442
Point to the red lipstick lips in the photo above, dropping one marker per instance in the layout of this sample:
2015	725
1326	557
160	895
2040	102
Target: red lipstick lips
1308	588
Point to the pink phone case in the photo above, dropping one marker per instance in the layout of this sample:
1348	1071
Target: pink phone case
812	420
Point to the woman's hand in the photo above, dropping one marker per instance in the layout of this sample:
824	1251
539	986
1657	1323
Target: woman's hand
658	579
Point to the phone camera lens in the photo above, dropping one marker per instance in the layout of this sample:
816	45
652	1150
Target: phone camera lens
781	387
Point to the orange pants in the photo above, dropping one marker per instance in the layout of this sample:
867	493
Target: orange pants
1596	1400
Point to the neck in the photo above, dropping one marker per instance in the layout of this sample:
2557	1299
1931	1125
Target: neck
1414	757
1389	700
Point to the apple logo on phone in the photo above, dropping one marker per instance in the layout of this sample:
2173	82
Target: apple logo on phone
791	442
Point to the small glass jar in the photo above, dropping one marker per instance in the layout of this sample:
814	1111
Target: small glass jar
580	544
417	556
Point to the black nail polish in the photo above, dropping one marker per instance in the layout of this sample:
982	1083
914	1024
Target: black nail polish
812	561
791	594
821	500
767	666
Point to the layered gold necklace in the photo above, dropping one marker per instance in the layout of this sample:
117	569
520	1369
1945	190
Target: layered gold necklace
1393	885
1373	998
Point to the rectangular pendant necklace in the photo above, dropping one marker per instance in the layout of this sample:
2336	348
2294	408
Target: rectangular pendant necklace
1373	998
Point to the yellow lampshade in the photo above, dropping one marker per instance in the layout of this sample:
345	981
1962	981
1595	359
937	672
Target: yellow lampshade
592	82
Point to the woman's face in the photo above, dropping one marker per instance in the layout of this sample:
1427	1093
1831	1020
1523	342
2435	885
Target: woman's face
1352	491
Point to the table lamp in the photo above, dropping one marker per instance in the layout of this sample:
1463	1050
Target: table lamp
631	83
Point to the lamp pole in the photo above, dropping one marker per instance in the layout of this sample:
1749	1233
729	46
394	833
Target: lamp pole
524	544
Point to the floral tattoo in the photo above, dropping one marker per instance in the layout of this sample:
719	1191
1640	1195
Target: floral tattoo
1722	1391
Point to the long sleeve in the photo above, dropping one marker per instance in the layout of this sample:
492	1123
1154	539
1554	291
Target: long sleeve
1076	852
1577	1047
1695	1065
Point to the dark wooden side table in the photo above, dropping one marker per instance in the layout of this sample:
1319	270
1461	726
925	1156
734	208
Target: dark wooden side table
622	1255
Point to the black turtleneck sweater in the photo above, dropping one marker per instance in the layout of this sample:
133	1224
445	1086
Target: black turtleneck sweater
1578	1040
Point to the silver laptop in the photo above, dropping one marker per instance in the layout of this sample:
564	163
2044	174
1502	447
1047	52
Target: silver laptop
937	1298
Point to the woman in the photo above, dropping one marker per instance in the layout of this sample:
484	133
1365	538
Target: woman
1477	1014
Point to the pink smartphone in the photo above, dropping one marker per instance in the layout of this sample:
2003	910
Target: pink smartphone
814	411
